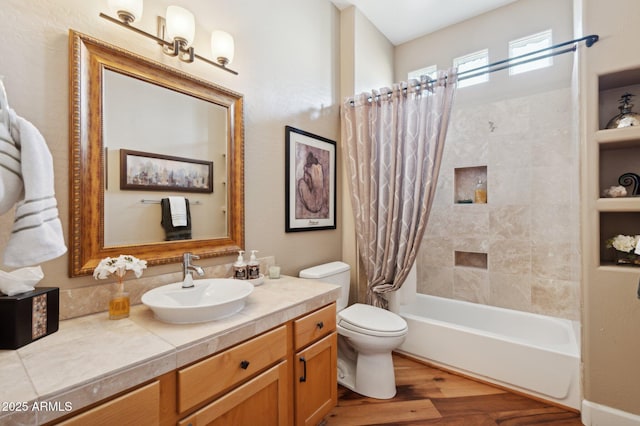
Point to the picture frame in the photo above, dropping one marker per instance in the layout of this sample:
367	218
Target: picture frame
146	171
310	181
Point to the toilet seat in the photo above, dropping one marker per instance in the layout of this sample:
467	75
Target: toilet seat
372	321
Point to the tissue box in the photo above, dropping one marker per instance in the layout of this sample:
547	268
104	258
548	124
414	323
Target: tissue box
28	316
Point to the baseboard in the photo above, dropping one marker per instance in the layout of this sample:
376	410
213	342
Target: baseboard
600	415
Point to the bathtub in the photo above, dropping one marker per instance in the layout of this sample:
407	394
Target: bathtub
529	353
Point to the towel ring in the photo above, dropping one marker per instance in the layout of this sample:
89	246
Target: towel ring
4	104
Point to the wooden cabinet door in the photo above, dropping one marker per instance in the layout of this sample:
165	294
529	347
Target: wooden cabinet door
316	376
262	401
138	407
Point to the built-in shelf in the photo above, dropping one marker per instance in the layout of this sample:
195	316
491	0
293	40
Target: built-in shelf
471	259
610	267
610	88
618	138
465	180
625	204
614	223
618	153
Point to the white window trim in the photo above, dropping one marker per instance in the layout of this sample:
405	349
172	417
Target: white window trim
541	40
481	58
429	71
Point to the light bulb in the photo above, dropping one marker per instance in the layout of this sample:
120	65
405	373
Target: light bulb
222	47
181	25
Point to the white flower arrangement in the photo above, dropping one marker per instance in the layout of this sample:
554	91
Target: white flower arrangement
119	266
623	243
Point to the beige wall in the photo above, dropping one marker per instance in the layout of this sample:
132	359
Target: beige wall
493	30
286	54
611	309
366	63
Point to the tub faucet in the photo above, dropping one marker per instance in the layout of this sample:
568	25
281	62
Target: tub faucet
188	268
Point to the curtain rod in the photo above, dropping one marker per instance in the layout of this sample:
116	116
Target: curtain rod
518	60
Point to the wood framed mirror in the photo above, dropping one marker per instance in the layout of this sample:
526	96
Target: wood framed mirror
185	120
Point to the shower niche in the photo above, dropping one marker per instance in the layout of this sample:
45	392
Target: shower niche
471	259
465	182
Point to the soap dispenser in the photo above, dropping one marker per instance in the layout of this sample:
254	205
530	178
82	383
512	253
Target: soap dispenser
253	267
240	267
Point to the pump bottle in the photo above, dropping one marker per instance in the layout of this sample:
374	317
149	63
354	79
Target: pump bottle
253	267
240	267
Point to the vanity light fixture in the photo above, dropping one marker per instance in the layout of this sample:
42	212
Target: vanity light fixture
179	28
222	47
127	10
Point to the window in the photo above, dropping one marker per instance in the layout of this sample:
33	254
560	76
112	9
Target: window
469	62
530	44
428	71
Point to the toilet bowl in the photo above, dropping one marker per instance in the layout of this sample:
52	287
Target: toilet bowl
366	337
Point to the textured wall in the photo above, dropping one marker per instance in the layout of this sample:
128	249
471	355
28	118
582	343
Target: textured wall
287	56
529	227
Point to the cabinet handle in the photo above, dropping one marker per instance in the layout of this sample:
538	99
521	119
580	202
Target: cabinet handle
320	325
304	371
244	364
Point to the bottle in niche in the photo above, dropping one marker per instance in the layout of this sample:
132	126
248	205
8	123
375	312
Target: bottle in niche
481	192
253	267
240	267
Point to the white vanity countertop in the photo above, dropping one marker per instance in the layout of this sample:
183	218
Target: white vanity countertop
91	358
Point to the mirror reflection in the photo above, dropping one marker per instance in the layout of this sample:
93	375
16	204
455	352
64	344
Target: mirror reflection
180	126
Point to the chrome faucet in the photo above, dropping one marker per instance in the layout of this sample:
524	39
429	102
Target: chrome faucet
188	268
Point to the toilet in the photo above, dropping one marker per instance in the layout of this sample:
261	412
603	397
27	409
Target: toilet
366	337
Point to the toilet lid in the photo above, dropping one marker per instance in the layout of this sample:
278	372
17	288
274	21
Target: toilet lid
372	321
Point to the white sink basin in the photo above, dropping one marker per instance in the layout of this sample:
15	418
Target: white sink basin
209	300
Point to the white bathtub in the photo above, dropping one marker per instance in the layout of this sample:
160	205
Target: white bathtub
529	353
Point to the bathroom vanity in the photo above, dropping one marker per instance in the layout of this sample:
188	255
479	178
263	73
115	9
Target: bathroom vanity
272	363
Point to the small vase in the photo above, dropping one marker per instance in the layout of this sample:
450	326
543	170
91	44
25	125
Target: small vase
119	304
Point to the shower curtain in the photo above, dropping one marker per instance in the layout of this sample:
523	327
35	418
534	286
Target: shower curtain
394	140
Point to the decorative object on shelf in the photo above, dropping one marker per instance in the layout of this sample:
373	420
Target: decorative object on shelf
119	266
626	118
614	192
625	249
628	179
179	28
480	194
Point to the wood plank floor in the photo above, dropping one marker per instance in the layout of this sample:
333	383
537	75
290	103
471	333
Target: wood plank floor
428	395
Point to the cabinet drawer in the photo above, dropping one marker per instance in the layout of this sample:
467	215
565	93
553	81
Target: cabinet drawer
138	407
314	326
264	400
216	374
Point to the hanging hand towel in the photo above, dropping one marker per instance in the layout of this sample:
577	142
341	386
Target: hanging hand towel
178	211
10	172
37	232
175	232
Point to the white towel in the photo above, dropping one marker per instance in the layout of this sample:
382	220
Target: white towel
10	171
178	207
37	232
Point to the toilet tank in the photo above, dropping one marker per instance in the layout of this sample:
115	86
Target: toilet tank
338	273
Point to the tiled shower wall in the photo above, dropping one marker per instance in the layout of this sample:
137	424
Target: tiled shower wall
529	228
